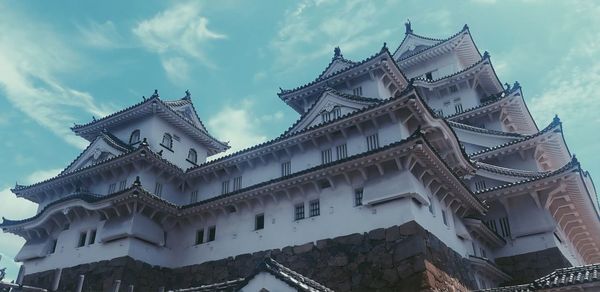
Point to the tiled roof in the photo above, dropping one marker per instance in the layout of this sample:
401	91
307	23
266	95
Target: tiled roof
483	131
337	57
488	100
560	278
484	60
554	124
572	165
440	42
227	286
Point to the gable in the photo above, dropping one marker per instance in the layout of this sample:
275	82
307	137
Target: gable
99	150
336	65
329	106
413	44
264	281
187	111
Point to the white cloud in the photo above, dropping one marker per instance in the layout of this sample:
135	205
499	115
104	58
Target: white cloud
177	69
101	35
314	27
27	75
178	32
239	126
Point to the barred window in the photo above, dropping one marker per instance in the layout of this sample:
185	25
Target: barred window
237	183
372	142
314	208
358	197
122	184
480	185
341	151
194	197
286	168
357	91
212	233
199	236
504	227
299	211
326	156
92	238
111	188
82	237
225	187
158	189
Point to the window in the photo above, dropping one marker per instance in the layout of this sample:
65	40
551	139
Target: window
167	141
199	236
122	184
192	156
225	187
431	210
299	211
314	208
429	75
357	91
135	137
482	252
458	108
440	113
335	113
53	246
92	238
358	197
372	142
504	227
474	249
326	156
286	168
444	217
259	222
111	188
324	116
480	185
82	237
212	233
341	151
237	183
158	189
194	197
453	88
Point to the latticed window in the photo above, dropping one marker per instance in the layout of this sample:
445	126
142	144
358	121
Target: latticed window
82	237
122	184
326	156
237	183
314	208
194	197
212	233
357	91
135	137
480	185
158	189
372	142
167	141
299	211
92	238
341	151
358	197
111	188
501	226
225	187
192	156
286	168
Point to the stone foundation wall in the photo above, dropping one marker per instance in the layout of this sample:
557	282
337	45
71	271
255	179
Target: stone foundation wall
400	258
525	268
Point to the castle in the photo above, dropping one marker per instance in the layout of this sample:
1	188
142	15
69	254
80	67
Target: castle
412	169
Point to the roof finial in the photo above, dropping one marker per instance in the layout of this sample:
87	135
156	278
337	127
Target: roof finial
465	27
337	53
188	95
144	97
506	86
94	118
144	142
486	54
574	160
516	85
556	119
137	181
155	94
408	27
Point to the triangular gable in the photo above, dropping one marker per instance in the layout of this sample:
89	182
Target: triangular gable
412	44
185	108
103	148
326	104
338	63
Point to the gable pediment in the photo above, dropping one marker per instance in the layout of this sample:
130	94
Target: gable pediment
100	150
186	110
329	106
413	44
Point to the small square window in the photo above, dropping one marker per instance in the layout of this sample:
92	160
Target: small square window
299	211
314	208
212	233
259	222
199	236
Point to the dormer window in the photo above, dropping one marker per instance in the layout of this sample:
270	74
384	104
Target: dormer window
167	141
192	156
135	137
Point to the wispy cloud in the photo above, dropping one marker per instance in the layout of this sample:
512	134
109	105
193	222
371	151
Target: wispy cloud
239	126
178	34
314	27
102	35
28	75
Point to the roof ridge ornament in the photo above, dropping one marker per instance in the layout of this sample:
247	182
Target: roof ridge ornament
516	85
337	53
188	95
556	119
486	55
137	182
155	94
408	27
466	27
384	48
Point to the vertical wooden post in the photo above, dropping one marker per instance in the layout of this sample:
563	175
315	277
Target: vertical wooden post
80	283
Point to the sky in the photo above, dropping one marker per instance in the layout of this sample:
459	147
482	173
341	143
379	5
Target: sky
64	62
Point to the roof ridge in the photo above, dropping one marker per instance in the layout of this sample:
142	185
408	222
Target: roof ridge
440	41
485	58
483	130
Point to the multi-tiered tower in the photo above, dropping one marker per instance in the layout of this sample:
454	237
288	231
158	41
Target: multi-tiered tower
413	169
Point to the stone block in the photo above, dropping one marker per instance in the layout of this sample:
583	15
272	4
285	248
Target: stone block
377	234
299	249
352	239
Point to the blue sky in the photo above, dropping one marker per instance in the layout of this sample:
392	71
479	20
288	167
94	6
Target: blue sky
62	62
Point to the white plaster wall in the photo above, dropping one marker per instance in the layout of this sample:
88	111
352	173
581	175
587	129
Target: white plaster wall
445	65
